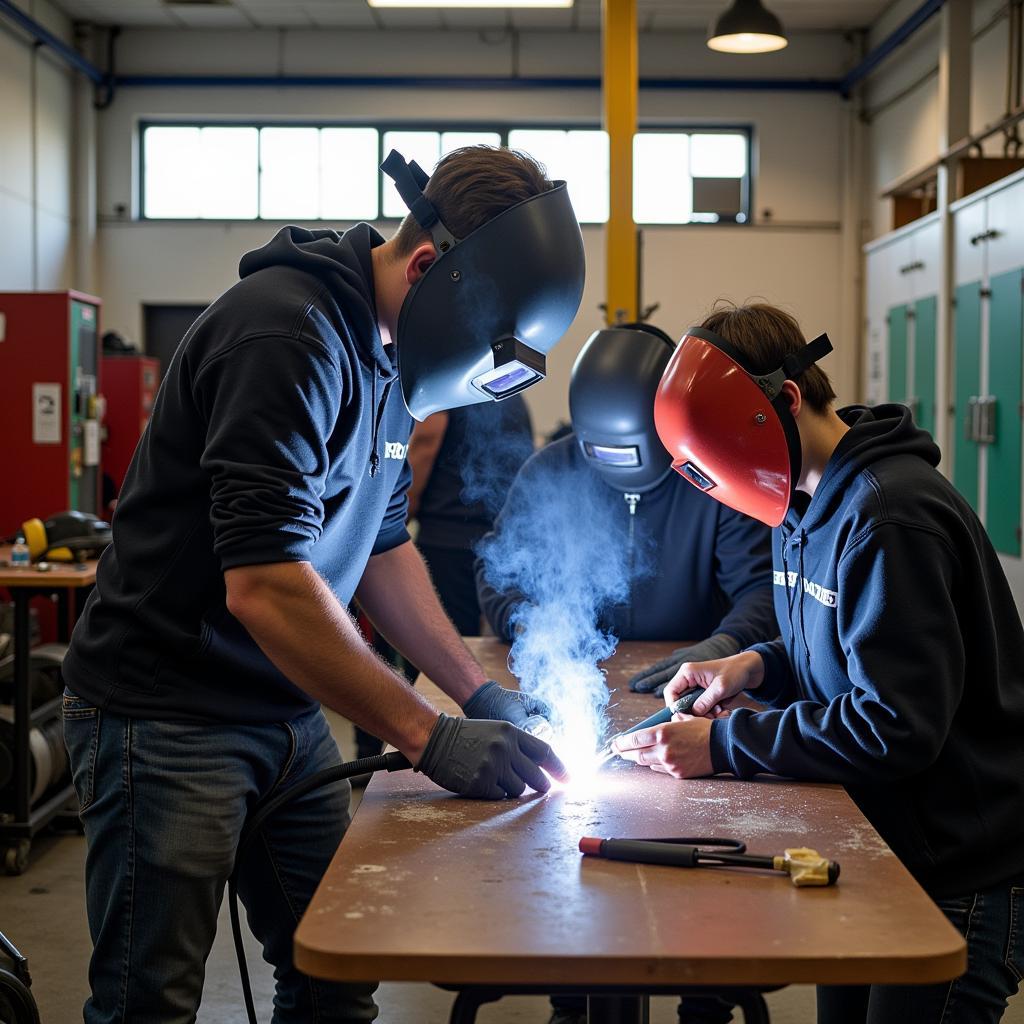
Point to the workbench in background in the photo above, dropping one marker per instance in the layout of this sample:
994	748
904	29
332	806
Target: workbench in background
20	821
430	887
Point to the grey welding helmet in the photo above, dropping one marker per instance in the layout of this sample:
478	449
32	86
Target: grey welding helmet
611	402
477	326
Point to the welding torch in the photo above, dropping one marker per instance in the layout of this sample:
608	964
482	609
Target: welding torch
805	867
683	705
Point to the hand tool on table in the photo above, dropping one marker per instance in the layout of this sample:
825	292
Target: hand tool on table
682	705
805	867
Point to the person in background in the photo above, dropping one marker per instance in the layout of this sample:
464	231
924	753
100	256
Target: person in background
899	671
713	583
463	463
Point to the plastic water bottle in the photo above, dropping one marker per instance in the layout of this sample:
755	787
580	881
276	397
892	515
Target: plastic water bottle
20	557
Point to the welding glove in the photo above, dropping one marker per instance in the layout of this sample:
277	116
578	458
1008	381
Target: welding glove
492	701
487	760
656	677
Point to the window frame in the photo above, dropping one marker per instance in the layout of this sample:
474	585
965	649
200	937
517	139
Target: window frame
502	128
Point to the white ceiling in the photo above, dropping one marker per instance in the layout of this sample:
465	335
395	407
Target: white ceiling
806	15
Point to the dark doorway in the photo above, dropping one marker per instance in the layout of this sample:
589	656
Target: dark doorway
164	328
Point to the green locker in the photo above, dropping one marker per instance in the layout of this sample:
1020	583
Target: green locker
924	362
898	391
967	353
1004	374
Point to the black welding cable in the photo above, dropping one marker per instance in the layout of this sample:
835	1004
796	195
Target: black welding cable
391	762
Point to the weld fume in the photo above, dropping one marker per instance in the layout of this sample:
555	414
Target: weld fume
562	543
492	452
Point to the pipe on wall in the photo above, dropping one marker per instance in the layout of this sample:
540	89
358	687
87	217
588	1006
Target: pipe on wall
458	82
44	37
891	42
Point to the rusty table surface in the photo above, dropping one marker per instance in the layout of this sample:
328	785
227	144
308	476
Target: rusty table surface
430	887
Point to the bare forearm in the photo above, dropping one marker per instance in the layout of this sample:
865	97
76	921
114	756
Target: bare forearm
424	446
398	596
300	625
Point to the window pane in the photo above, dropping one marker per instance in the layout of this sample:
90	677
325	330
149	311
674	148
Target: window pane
662	189
456	140
289	173
171	175
578	157
200	172
718	156
348	173
423	147
229	186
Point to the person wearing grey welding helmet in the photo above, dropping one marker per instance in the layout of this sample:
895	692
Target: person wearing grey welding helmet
712	580
268	490
899	669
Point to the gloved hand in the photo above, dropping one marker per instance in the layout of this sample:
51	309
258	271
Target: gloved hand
494	702
656	677
487	760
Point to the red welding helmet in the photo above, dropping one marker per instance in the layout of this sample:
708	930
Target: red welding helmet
729	430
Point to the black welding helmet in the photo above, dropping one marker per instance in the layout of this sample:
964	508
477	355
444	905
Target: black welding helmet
477	326
611	402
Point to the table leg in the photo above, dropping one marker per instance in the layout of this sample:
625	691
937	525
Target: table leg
63	608
618	1009
22	703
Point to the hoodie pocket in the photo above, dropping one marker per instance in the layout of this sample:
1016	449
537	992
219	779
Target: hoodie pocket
1015	940
82	722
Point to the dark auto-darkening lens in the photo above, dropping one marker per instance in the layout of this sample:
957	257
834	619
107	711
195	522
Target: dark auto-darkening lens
508	381
695	476
613	455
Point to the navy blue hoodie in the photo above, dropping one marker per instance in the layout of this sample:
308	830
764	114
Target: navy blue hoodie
279	435
713	565
900	669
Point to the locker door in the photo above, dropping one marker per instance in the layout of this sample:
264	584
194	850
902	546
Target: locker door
898	391
1004	453
967	355
924	363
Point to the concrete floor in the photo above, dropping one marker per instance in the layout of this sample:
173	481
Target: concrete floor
43	913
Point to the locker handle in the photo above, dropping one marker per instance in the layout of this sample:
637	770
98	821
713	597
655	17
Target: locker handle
971	432
987	406
911	267
985	236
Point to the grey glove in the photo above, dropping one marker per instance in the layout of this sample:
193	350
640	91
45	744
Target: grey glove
656	677
497	704
487	760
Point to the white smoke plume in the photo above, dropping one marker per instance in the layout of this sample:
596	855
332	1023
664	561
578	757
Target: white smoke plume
562	542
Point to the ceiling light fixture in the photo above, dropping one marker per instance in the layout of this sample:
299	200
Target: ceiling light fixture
747	27
469	4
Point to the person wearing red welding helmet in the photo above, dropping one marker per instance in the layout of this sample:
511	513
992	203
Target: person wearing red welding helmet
267	491
899	669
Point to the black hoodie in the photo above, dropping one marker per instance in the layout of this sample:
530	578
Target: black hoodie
900	669
279	435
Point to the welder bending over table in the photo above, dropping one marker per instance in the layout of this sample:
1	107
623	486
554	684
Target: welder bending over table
899	671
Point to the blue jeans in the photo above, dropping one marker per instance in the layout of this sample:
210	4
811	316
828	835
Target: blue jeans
163	804
992	922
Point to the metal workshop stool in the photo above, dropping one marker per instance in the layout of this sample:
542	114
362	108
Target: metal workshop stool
17	1004
610	1006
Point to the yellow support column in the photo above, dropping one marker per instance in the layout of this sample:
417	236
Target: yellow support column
619	95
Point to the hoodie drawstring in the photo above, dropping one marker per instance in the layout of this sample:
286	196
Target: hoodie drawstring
378	416
801	543
632	500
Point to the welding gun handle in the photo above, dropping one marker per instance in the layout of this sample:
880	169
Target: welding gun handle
663	716
640	851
